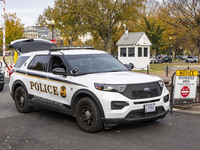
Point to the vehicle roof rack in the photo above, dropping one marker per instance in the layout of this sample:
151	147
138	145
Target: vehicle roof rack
57	48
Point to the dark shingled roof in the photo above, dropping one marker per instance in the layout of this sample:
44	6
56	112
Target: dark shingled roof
131	39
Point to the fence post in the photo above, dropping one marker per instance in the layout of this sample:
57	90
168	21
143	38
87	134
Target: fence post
172	92
199	87
167	71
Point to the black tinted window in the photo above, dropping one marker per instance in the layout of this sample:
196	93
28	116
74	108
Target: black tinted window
139	51
21	61
145	52
39	63
131	52
123	52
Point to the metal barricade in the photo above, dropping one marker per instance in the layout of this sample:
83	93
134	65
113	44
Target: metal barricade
174	102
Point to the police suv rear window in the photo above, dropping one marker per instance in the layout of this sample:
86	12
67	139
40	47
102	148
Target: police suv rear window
21	61
39	63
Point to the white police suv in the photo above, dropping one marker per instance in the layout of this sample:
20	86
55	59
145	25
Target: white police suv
90	85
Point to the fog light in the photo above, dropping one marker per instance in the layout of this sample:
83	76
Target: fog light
166	98
118	105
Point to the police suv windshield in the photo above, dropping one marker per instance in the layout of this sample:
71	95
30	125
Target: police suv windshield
94	63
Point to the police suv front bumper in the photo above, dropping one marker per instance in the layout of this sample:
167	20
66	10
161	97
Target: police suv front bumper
136	116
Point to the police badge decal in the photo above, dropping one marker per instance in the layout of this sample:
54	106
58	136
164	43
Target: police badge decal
63	91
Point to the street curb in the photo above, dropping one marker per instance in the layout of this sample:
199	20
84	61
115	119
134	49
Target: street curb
186	111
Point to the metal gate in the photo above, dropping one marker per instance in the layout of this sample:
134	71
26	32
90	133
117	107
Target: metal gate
174	102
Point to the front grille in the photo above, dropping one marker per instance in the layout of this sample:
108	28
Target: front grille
142	94
141	113
137	91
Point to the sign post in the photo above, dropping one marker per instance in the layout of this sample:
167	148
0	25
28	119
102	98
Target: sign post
53	41
185	84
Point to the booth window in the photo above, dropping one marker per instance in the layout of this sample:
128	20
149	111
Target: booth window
145	52
139	51
122	52
131	52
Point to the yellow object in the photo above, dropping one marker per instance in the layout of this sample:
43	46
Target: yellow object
15	57
187	73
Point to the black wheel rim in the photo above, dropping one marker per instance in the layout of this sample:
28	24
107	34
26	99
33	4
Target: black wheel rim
20	99
87	115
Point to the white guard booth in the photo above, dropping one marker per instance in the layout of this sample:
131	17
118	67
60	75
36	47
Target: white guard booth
134	48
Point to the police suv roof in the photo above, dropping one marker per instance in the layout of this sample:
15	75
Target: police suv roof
66	52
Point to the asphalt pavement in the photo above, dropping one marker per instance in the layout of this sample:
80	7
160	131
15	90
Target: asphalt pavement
45	130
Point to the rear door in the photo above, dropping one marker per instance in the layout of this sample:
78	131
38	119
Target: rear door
36	76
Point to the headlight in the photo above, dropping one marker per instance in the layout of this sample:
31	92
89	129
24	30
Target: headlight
161	83
110	87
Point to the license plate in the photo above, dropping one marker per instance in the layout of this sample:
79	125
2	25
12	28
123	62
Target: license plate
150	108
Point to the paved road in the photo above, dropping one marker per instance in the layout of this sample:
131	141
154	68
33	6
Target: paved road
43	130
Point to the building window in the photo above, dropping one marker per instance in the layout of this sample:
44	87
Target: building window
131	52
122	52
139	51
145	52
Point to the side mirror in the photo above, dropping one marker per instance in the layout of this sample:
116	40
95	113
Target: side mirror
75	71
59	71
130	66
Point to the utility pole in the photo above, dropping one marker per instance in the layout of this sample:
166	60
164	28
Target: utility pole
4	35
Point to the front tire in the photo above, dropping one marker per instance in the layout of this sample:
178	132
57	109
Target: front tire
21	100
88	115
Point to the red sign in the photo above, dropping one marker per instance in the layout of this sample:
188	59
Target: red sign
53	41
185	91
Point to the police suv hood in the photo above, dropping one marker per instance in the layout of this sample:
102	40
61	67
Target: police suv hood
125	77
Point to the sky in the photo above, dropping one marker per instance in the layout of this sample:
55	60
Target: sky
27	10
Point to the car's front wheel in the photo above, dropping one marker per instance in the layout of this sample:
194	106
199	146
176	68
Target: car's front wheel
88	115
21	100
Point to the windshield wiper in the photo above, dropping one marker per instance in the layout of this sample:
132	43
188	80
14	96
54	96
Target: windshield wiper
117	70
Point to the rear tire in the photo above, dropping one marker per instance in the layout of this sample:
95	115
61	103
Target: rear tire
88	115
21	100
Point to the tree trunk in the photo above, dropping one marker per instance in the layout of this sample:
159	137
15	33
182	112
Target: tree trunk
198	53
198	47
108	42
174	54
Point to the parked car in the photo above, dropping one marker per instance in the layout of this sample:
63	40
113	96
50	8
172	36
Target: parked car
184	57
166	59
1	80
191	59
155	60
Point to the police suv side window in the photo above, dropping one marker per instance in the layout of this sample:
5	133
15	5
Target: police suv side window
21	61
56	62
39	63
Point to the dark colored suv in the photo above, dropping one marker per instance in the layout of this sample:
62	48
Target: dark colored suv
1	81
166	59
